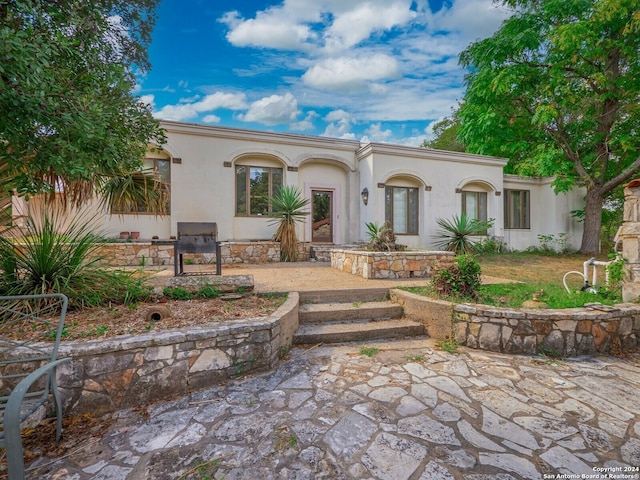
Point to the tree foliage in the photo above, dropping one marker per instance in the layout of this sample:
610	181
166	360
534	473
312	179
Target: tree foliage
557	91
445	133
69	120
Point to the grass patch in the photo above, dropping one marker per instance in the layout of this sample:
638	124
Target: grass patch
555	296
415	358
369	351
531	272
448	345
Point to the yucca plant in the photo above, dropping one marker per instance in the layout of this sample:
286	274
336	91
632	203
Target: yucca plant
59	257
455	234
288	207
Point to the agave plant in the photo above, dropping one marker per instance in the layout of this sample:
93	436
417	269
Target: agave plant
288	207
381	237
456	233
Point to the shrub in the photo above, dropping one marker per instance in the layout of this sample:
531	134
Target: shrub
455	234
552	245
382	238
63	258
462	278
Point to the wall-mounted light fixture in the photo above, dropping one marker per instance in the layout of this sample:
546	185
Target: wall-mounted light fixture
365	195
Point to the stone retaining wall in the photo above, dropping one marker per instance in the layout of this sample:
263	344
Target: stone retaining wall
408	264
567	332
156	253
125	371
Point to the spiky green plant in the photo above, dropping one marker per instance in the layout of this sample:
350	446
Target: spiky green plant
288	207
60	257
455	234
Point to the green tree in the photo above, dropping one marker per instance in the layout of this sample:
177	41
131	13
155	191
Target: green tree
69	120
556	90
445	133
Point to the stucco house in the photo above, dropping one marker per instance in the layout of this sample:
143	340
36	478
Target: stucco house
224	175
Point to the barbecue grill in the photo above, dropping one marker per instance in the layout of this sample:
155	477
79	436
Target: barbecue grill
196	237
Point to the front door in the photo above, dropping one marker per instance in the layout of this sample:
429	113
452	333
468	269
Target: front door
322	216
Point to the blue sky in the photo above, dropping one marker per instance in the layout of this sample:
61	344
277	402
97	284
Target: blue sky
368	70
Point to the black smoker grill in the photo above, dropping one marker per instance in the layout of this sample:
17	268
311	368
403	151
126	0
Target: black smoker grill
196	237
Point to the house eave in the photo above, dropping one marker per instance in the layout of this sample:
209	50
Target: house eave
259	136
428	154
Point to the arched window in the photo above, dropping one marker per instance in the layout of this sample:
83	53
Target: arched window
254	185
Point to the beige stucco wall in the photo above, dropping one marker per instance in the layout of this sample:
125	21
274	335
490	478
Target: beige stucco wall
203	160
550	213
439	175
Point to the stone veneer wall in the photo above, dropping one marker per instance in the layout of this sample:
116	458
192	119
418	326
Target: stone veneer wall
629	235
161	253
125	371
406	264
569	332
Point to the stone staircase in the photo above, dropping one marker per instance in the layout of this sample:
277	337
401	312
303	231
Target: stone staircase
337	316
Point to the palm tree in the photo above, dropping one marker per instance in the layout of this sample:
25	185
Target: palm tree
118	190
288	206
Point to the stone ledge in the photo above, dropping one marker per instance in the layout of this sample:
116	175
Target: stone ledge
108	374
568	332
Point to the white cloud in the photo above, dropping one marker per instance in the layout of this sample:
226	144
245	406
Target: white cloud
307	123
338	115
375	133
148	100
211	119
272	110
212	102
352	27
469	20
339	126
270	29
351	75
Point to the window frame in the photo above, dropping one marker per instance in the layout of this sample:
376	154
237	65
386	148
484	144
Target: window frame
525	210
479	204
247	188
481	201
389	209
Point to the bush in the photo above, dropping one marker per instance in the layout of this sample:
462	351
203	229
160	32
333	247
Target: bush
455	234
382	238
63	258
460	279
552	245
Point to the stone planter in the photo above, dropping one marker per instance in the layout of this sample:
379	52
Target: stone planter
407	264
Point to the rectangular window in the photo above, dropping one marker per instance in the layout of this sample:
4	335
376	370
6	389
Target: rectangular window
401	209
161	170
254	186
516	209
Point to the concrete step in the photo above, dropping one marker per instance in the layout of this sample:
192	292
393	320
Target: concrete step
347	295
340	312
357	331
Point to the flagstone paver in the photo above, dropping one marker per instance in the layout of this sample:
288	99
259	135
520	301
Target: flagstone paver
331	413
